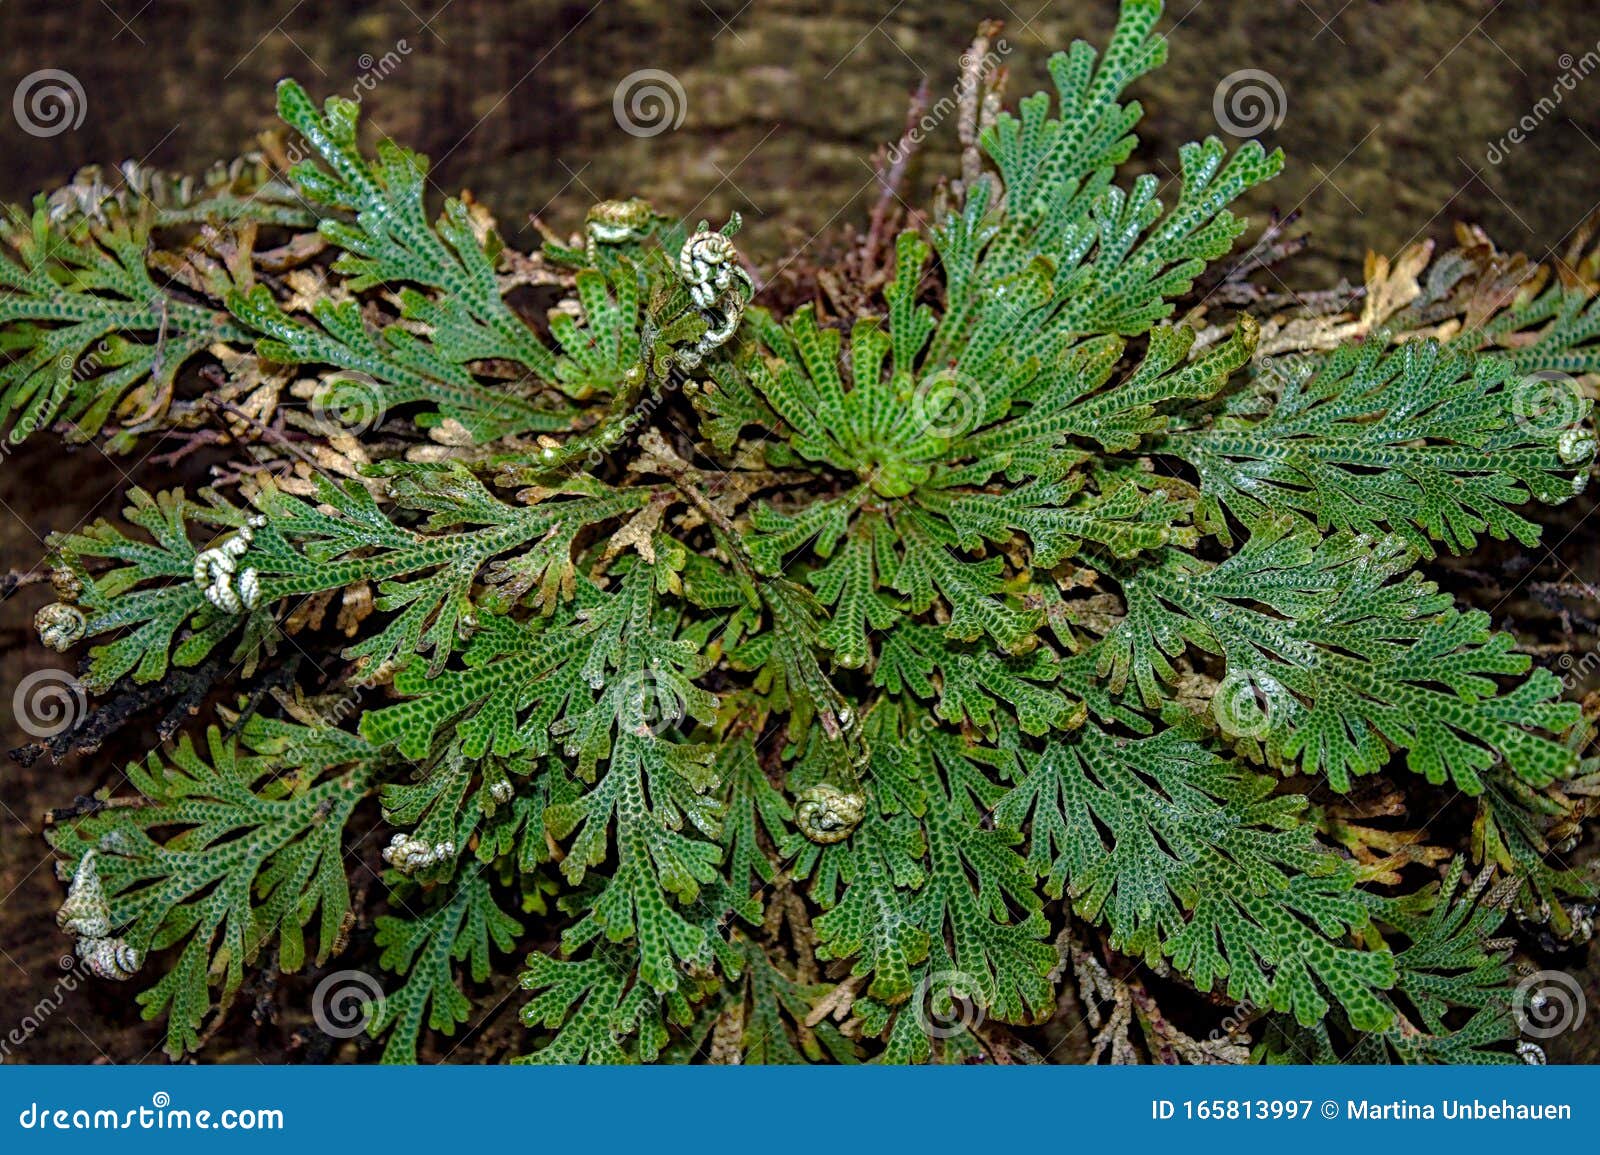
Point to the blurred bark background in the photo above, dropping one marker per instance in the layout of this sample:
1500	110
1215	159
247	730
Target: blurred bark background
1389	107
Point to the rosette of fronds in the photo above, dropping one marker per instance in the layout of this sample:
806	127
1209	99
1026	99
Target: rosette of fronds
816	677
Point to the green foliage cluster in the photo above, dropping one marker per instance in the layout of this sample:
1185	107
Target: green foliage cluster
829	668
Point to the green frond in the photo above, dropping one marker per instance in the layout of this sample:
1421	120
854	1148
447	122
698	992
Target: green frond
1453	994
1190	857
1336	653
1426	445
866	892
294	548
426	948
596	1010
452	314
232	849
777	1010
88	332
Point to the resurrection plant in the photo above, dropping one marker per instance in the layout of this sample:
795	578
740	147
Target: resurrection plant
864	679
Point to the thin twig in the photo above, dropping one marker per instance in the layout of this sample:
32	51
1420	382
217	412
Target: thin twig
276	436
892	179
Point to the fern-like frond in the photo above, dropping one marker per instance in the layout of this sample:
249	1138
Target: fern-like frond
1335	653
1429	446
230	850
88	331
1191	857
